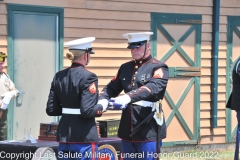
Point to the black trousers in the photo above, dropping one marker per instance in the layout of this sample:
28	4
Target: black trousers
3	125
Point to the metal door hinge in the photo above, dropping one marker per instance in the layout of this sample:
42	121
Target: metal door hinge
189	21
189	69
184	71
189	74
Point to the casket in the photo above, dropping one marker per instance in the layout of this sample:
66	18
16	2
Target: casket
48	131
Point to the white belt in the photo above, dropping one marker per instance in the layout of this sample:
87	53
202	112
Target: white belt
71	111
144	103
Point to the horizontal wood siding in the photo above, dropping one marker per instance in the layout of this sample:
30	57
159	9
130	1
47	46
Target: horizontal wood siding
3	30
107	20
208	134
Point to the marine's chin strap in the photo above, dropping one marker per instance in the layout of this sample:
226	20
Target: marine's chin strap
144	52
87	58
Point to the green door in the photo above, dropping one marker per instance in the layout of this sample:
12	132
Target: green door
35	53
177	42
233	41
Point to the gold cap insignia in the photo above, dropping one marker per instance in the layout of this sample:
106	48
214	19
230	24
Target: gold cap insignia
130	36
2	56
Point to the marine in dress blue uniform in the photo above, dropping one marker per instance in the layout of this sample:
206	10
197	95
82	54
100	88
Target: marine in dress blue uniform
144	81
74	96
233	102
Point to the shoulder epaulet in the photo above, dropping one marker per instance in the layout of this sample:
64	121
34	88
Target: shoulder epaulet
153	60
89	71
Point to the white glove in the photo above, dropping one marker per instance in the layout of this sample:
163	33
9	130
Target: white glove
123	100
4	106
7	97
104	103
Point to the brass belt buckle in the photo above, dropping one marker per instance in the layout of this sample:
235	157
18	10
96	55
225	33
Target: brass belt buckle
160	101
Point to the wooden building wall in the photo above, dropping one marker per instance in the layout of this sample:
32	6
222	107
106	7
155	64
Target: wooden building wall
107	20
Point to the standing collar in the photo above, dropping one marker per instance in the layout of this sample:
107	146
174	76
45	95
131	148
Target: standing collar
140	62
76	64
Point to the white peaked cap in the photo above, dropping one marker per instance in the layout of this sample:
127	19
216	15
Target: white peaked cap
137	37
82	44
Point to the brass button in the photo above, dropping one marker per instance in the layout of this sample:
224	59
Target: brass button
140	62
134	78
136	72
133	84
136	67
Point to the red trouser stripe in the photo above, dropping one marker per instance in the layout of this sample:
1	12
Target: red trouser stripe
93	150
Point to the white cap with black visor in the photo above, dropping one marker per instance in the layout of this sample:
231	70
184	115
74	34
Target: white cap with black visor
136	40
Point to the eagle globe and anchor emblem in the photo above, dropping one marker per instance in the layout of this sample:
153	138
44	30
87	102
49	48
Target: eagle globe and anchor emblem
107	152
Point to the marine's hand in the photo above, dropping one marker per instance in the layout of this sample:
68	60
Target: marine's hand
4	106
104	103
122	100
7	97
